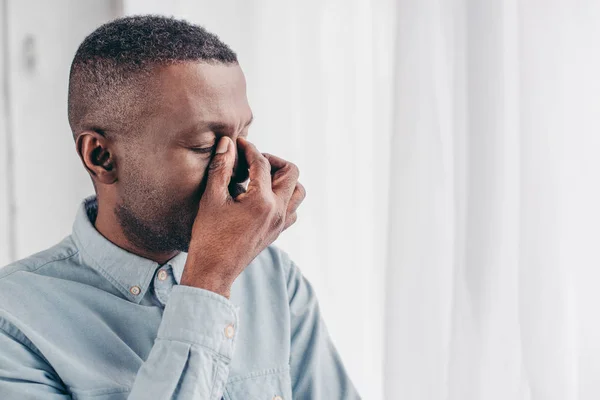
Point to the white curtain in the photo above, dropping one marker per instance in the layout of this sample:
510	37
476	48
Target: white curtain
493	276
450	152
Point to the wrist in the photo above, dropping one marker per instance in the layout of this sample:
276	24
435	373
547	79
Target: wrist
223	291
209	282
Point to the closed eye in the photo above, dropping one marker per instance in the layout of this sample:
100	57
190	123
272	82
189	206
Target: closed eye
204	150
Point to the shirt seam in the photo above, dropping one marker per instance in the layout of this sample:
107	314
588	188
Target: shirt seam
213	296
210	349
100	391
256	374
40	266
290	270
214	381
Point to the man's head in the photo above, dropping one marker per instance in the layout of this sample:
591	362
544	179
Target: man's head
149	97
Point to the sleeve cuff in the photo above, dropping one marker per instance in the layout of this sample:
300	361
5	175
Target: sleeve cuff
200	317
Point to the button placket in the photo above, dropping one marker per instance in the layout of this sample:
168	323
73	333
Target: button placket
162	275
163	284
135	290
229	331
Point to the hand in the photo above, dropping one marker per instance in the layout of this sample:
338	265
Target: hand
228	233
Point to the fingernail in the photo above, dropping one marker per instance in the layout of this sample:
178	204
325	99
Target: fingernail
223	145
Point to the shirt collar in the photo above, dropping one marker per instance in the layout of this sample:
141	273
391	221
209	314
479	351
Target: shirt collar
123	269
177	263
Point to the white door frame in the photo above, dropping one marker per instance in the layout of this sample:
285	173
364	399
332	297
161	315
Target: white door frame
7	223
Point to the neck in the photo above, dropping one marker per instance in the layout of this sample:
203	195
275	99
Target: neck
107	224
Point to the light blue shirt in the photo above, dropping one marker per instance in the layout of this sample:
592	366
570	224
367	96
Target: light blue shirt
86	319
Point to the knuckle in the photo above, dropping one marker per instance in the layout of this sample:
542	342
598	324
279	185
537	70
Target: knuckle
266	204
290	172
264	163
269	212
293	218
271	206
301	190
217	163
261	163
277	221
294	170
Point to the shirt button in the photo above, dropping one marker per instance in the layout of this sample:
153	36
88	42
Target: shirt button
162	275
229	331
277	398
135	290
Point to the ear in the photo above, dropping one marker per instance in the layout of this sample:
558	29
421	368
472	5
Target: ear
98	156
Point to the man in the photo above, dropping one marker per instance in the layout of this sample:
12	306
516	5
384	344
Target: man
168	286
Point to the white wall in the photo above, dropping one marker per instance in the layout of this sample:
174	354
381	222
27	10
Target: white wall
49	180
5	243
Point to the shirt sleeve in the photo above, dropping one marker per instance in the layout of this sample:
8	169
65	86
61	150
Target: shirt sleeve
24	373
317	371
189	360
194	346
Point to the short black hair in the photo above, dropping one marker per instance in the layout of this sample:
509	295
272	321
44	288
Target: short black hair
106	80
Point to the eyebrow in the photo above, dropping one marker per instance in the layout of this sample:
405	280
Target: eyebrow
217	126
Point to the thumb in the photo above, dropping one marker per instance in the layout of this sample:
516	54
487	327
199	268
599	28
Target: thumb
220	169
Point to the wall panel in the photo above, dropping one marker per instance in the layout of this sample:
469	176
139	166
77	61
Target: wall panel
49	178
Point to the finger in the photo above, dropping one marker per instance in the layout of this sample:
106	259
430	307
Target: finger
297	198
284	176
220	170
258	166
276	162
290	220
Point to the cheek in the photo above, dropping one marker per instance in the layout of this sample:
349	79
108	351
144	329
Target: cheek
174	177
185	171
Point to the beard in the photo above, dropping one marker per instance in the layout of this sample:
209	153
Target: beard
157	229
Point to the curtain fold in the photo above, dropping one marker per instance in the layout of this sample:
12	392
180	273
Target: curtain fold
492	274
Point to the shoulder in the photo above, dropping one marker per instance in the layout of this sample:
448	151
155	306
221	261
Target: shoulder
275	269
46	258
46	263
273	261
272	271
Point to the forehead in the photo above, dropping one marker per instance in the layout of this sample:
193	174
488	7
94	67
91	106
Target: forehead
194	92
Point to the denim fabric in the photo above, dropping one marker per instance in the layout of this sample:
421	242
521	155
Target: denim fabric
86	319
